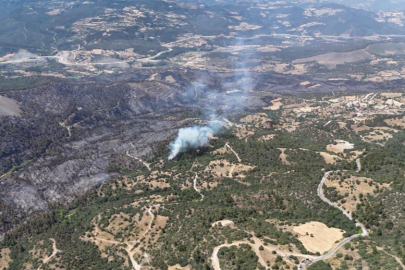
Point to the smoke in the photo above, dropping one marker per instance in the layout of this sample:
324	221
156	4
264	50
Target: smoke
229	95
194	137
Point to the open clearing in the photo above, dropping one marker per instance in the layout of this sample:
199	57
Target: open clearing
339	146
275	104
135	235
267	137
351	188
377	135
4	258
257	120
9	107
223	168
269	252
283	156
179	267
329	158
317	237
393	122
224	223
337	58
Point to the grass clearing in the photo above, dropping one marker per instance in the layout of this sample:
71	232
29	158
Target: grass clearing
317	237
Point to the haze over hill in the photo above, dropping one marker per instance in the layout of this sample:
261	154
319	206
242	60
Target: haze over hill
185	134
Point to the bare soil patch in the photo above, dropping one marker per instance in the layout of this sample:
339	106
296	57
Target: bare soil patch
305	83
223	223
267	137
5	258
9	107
283	156
275	104
170	79
339	146
329	158
179	267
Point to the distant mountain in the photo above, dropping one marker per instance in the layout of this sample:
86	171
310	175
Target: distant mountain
46	27
375	5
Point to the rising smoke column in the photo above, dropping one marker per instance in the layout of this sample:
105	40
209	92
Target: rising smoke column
194	137
199	136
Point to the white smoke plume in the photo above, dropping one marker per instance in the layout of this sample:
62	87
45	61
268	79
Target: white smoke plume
199	136
194	137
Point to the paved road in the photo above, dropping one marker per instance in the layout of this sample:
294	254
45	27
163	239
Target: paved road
332	252
323	198
305	263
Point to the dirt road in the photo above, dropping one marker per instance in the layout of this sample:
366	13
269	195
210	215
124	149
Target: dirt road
140	160
195	186
236	154
55	251
131	246
214	256
399	261
358	163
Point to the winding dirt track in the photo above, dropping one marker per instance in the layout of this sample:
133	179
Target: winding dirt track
214	256
140	160
195	186
55	251
399	261
236	154
131	245
256	248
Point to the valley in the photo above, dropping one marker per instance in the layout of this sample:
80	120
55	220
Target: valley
202	134
266	212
